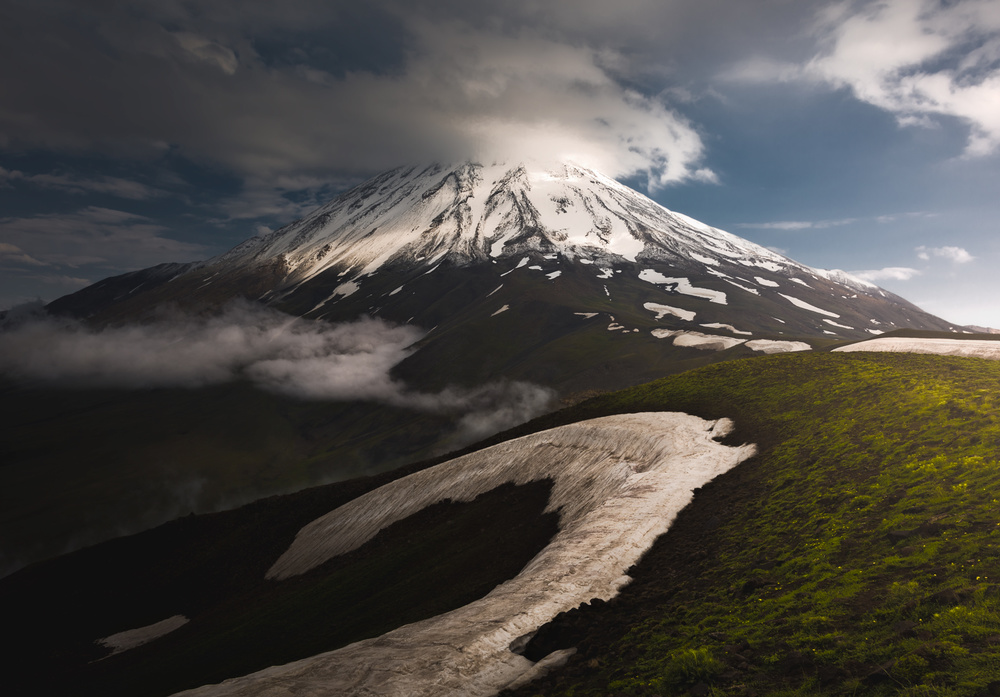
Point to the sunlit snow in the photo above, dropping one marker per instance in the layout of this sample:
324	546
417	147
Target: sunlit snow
806	306
704	260
706	342
662	310
742	287
619	482
698	340
974	348
719	325
773	346
683	286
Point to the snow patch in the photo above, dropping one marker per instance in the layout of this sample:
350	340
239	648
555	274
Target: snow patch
683	286
495	290
800	282
769	265
742	287
553	275
765	282
401	288
502	309
806	306
704	260
834	324
719	325
131	638
524	262
605	273
344	289
662	310
972	348
585	315
619	482
706	342
773	346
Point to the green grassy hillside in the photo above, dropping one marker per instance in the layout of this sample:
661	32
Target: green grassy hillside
858	553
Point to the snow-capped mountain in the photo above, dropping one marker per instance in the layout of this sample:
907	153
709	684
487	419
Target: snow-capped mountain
505	260
473	213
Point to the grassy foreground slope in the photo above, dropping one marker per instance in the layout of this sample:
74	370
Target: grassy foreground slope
858	553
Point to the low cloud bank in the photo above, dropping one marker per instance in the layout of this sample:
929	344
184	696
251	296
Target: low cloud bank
306	359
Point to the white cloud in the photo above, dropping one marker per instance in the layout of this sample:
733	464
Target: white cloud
798	224
889	273
957	255
307	359
208	51
918	59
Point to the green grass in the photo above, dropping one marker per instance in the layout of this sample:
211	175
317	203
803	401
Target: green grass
858	553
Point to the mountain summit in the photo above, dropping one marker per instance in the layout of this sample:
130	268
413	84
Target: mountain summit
474	213
512	262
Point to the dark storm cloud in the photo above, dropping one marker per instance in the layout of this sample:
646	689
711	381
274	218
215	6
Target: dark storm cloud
188	76
92	236
264	90
76	184
306	359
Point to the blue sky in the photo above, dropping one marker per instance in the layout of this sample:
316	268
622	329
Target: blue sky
863	136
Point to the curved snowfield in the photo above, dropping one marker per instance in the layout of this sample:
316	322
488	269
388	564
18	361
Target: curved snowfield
971	348
618	483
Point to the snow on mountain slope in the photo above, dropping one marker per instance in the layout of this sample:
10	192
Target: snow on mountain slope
619	483
448	247
974	348
475	212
